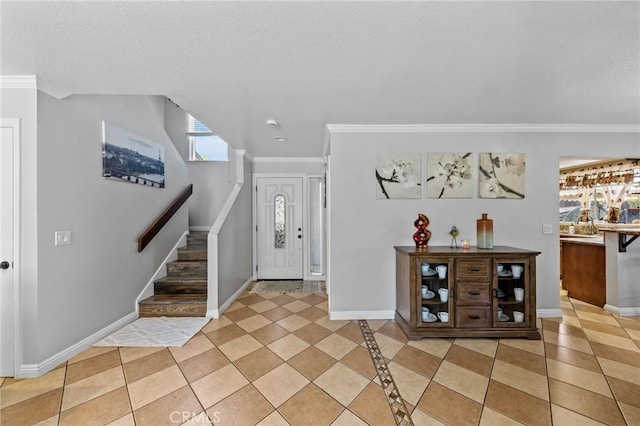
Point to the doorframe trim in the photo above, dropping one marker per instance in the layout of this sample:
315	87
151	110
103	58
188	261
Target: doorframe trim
305	207
14	123
322	277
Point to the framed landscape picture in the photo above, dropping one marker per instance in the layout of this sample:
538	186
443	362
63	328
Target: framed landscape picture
131	158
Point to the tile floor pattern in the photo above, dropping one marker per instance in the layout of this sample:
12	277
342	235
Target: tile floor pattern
278	359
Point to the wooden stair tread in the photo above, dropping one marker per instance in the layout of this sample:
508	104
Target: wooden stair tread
175	298
192	256
172	307
188	262
176	280
177	285
197	239
187	268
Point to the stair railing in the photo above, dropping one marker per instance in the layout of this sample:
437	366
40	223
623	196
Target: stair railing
161	221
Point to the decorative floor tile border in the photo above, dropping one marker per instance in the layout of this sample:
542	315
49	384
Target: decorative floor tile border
396	403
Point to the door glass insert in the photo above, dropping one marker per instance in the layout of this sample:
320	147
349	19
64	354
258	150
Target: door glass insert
279	218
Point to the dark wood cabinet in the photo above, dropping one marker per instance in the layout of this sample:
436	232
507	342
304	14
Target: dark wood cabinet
445	292
582	262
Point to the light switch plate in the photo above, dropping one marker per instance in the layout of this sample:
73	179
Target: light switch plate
62	238
547	228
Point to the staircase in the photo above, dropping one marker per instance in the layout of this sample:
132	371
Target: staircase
183	292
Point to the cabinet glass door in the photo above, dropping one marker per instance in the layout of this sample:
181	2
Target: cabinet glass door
511	294
434	294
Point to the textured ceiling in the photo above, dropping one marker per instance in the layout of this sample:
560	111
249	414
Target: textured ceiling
308	64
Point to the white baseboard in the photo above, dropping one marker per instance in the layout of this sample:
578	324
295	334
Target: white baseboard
147	291
215	313
622	312
358	315
549	313
30	371
36	370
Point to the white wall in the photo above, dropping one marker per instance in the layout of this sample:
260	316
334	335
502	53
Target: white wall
212	180
235	242
211	187
623	268
94	281
364	229
313	166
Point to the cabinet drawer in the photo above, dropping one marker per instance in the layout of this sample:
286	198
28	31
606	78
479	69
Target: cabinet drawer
473	316
466	294
473	269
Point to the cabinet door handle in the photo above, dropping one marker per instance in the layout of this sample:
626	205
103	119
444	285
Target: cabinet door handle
474	269
474	317
474	293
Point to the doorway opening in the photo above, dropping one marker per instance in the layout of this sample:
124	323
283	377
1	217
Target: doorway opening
593	194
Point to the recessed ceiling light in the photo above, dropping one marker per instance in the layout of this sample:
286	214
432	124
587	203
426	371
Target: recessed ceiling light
272	123
280	139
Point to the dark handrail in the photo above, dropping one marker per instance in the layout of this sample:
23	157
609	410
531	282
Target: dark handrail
156	226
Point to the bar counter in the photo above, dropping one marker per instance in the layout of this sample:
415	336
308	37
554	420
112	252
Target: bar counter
582	265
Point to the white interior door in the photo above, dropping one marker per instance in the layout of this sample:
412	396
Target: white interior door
7	145
280	235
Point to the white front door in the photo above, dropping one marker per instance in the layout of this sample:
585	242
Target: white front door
279	228
8	131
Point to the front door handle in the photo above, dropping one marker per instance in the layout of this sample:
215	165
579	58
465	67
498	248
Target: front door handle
4	265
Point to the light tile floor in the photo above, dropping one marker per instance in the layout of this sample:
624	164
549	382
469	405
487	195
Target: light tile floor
278	359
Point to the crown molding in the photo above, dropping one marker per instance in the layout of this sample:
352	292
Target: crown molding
483	128
52	90
18	82
32	82
318	160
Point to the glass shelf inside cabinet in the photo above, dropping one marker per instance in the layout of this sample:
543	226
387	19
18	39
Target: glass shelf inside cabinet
510	292
435	292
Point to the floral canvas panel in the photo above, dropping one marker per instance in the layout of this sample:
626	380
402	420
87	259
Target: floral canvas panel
501	175
449	175
398	176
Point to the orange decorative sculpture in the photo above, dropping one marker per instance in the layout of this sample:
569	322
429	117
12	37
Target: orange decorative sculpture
422	235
